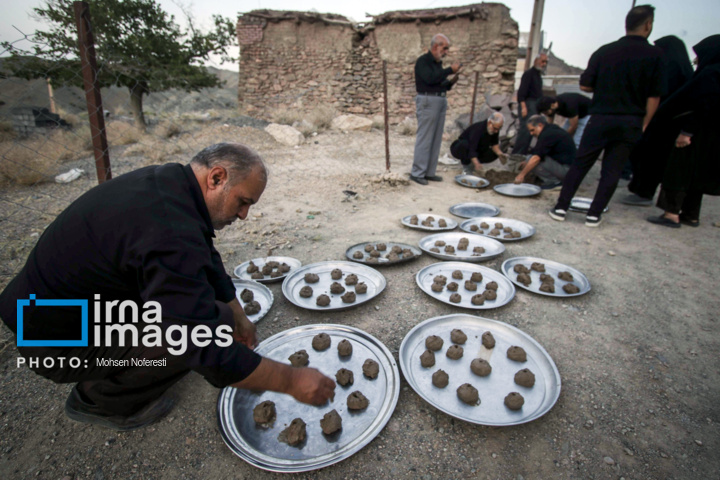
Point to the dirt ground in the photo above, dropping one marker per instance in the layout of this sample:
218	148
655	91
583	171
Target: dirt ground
638	355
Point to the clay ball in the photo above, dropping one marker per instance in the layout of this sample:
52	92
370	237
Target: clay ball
433	342
458	336
468	394
525	378
480	367
514	401
321	342
440	379
517	354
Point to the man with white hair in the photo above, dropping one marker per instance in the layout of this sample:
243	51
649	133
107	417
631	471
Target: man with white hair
479	143
528	95
432	84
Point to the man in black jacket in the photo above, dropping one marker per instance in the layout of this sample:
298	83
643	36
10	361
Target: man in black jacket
479	143
141	244
551	157
528	95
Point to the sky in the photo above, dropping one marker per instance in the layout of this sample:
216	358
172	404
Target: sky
575	27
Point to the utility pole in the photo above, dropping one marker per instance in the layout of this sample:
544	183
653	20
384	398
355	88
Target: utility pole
533	48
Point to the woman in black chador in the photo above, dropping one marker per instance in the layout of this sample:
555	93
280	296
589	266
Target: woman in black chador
693	167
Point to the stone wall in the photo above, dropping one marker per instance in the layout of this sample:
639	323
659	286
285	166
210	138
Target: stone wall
306	60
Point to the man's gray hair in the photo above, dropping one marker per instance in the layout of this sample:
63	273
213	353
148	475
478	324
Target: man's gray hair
496	118
436	39
536	120
238	159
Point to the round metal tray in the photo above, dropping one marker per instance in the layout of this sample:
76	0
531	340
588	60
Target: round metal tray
471	181
491	411
241	270
451	224
526	230
382	261
261	293
260	446
551	267
517	190
582	205
505	291
474	209
493	248
374	280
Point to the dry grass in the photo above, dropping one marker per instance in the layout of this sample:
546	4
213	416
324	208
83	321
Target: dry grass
168	129
316	120
7	132
122	133
153	150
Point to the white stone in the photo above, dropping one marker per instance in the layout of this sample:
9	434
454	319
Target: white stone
285	134
351	122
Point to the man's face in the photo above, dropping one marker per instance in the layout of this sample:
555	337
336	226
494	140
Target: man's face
553	108
534	129
541	62
228	202
493	128
440	50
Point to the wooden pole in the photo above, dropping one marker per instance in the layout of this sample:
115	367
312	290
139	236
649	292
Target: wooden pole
472	107
92	91
533	48
53	107
385	108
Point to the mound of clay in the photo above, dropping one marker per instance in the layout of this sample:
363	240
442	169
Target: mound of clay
442	223
357	401
407	253
494	232
351	279
371	369
435	250
276	274
480	367
358	255
517	354
441	279
284	268
440	379
252	268
273	264
455	352
427	359
468	394
335	287
252	308
490	294
507	229
322	300
566	276
491	286
474	228
361	288
452	286
414	220
396	249
449	249
484	225
458	336
488	340
538	267
321	342
470	285
344	348
369	248
246	295
524	278
546	278
439	243
455	298
336	274
570	288
520	268
462	246
375	254
514	401
264	412
547	287
344	377
434	343
294	434
299	359
478	250
331	422
306	292
525	378
498	225
392	256
257	276
311	278
266	269
380	247
478	299
437	287
457	274
476	277
516	234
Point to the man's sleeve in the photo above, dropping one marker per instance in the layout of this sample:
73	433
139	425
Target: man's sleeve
430	75
588	77
176	274
542	147
571	107
219	279
524	86
658	79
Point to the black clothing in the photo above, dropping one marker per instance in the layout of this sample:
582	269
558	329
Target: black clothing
430	76
687	204
475	141
530	85
623	75
677	63
143	236
573	105
555	143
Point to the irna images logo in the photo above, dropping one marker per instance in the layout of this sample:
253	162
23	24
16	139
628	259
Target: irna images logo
31	301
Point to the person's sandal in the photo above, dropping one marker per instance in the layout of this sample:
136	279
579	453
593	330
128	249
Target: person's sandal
689	223
663	221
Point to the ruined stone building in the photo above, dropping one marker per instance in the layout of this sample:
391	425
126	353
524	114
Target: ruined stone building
303	59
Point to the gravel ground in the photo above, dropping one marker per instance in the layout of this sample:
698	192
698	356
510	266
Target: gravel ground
637	354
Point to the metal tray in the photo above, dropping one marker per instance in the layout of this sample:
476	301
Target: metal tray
517	190
505	291
261	448
551	267
493	248
474	209
471	181
582	205
241	270
262	295
538	400
382	261
451	224
526	230
374	280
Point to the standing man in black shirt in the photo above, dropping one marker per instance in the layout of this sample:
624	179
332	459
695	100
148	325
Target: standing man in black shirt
551	157
627	78
479	143
573	106
528	94
144	239
432	84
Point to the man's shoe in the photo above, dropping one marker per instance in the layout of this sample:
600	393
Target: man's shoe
557	214
419	180
591	221
637	201
688	222
433	178
79	410
551	186
664	221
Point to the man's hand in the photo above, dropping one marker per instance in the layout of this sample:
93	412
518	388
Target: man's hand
456	67
519	179
310	386
523	109
477	167
245	330
682	141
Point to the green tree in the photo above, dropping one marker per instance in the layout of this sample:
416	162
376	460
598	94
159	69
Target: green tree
137	45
